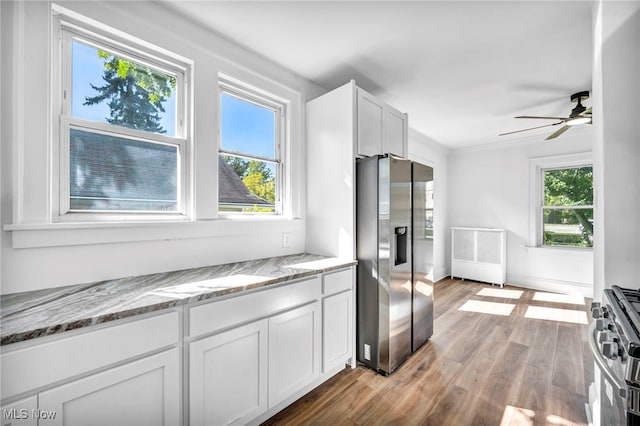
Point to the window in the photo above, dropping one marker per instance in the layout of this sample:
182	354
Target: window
249	160
567	209
122	146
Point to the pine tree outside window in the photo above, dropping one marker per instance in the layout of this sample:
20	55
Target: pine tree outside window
123	145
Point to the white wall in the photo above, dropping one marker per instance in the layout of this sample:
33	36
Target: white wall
489	187
429	152
616	144
36	254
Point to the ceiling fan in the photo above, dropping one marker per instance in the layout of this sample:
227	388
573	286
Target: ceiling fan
579	115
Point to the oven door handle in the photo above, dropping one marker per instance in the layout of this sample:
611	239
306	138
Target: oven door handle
598	357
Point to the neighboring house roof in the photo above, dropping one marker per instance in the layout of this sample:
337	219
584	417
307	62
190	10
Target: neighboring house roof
231	189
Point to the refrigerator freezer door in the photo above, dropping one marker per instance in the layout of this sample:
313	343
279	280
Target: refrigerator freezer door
395	216
422	254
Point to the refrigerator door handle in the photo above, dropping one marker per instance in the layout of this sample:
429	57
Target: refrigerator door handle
401	245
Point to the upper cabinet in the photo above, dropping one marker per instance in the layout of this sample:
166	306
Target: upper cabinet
395	132
370	119
381	129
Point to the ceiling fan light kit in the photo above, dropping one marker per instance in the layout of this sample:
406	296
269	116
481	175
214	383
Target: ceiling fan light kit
579	115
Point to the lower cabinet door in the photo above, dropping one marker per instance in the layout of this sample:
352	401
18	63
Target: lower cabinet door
228	376
337	330
143	392
23	413
294	351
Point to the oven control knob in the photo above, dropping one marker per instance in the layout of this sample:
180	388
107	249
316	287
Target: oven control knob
596	312
610	349
602	324
605	337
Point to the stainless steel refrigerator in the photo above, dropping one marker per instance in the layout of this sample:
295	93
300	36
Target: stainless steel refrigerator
394	246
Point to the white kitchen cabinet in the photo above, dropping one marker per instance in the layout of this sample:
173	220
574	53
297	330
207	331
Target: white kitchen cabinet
338	316
294	351
228	376
337	330
395	132
21	413
381	128
140	393
370	119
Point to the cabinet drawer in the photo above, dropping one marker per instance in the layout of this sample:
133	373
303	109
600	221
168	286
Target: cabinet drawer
335	282
36	366
225	313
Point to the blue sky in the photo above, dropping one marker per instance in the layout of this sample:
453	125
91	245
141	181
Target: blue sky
245	127
88	69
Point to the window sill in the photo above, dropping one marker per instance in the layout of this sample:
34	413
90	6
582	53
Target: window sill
71	234
561	249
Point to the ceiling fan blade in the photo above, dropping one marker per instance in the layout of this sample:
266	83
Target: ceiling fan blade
558	132
546	118
531	128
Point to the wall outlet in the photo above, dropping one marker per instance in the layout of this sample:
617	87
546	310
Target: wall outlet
367	352
286	240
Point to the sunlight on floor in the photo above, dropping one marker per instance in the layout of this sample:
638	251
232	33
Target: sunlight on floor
517	416
553	314
493	308
499	292
575	299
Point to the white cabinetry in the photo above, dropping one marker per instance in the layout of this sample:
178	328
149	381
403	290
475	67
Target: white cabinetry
127	373
294	351
144	392
228	376
479	254
370	127
344	124
21	413
337	317
395	132
253	354
381	128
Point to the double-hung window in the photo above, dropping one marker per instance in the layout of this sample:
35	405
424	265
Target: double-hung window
122	129
250	151
567	208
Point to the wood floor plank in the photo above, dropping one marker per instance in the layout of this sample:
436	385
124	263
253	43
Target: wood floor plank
479	368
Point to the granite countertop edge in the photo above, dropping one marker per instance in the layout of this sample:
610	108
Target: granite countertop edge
17	327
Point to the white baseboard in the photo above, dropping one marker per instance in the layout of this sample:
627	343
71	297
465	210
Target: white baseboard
545	284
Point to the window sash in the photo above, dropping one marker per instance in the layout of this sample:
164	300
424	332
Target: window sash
69	34
251	96
64	205
543	207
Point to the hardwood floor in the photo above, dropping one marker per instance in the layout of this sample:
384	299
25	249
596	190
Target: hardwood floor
479	368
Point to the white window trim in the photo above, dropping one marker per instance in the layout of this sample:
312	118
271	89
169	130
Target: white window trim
250	93
536	185
68	25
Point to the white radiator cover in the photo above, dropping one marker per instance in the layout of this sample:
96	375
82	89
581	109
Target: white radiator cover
479	254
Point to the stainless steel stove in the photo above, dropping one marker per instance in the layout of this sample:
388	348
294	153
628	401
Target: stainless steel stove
615	343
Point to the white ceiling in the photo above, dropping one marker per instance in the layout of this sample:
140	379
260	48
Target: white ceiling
461	69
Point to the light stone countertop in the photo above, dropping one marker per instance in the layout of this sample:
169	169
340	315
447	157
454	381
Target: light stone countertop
40	313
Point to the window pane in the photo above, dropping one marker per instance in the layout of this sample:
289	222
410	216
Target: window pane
109	88
247	128
568	187
113	173
246	185
568	227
